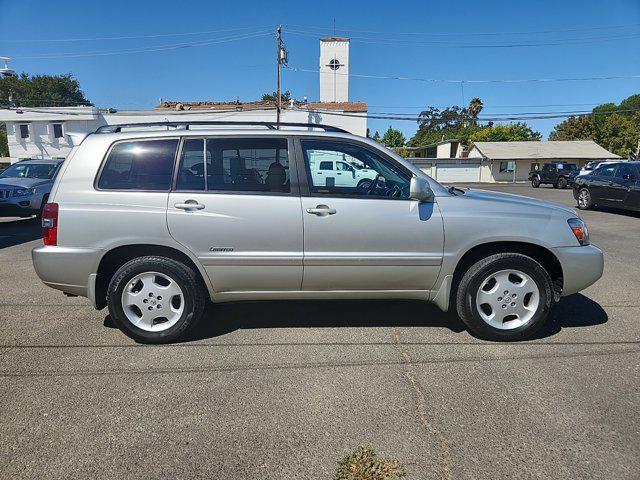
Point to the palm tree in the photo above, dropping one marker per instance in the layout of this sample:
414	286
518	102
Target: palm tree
475	107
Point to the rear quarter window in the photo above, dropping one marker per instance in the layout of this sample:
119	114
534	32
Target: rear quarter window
139	165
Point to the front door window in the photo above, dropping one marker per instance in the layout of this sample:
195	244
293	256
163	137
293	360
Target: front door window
335	168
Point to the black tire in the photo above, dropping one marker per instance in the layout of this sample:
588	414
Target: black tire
588	203
364	185
535	182
471	283
194	292
562	183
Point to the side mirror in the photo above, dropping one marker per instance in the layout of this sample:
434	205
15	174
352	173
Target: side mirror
419	189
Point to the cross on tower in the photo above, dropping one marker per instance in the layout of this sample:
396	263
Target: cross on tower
335	64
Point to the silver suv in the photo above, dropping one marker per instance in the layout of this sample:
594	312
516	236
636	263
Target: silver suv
152	222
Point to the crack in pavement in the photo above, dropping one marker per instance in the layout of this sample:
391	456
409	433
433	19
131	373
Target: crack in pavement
441	442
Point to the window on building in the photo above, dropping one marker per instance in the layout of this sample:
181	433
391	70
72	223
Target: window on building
508	166
24	130
139	165
234	165
57	130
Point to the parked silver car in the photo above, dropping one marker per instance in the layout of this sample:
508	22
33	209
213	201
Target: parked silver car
25	187
152	224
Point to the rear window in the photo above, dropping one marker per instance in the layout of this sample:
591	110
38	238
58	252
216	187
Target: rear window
139	165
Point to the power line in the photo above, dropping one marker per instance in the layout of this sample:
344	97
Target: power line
132	37
456	81
158	48
448	44
459	34
550	115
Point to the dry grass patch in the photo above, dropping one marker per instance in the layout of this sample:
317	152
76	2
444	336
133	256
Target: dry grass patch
364	464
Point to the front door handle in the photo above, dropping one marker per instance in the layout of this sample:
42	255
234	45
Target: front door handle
321	211
189	205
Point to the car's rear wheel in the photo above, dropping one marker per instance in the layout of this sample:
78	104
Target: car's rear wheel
505	297
562	182
535	182
584	199
155	299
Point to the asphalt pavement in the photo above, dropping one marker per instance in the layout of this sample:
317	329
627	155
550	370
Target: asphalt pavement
282	390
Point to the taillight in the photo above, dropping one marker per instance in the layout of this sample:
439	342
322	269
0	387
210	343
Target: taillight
50	224
579	229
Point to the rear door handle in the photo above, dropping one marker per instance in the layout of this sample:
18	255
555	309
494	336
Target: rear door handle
321	211
189	205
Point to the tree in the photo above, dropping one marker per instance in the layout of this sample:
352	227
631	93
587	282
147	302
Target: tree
41	91
393	138
273	97
615	127
453	122
475	107
574	128
376	137
513	132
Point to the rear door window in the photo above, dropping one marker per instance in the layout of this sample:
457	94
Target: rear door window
623	170
234	165
139	165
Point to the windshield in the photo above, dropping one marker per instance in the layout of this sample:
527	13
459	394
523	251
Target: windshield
44	171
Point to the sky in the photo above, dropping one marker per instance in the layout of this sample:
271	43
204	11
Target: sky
220	51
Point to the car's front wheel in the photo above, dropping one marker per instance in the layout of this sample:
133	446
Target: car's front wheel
505	297
584	199
535	182
155	299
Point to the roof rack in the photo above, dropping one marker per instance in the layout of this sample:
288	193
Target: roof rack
116	128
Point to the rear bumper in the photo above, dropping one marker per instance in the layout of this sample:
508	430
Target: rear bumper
581	267
68	269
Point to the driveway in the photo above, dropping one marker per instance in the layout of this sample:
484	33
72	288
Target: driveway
284	389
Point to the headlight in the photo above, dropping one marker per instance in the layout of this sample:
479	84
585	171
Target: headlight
24	192
579	229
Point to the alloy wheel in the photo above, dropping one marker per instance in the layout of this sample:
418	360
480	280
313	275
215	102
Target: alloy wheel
153	301
507	299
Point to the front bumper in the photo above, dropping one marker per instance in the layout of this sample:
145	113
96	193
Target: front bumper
70	269
18	208
581	267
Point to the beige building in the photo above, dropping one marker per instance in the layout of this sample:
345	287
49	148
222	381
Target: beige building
512	161
491	162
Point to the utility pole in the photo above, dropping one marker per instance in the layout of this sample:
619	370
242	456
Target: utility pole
279	99
281	60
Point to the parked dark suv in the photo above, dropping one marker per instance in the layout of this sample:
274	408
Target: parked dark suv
558	174
612	185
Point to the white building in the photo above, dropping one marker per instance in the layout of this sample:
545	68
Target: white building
334	69
43	132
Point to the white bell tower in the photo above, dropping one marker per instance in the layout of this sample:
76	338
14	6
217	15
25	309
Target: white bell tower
334	69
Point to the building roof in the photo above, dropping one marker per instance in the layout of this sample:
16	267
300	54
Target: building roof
561	150
260	105
334	39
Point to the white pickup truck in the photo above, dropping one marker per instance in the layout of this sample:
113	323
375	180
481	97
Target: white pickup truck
337	173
